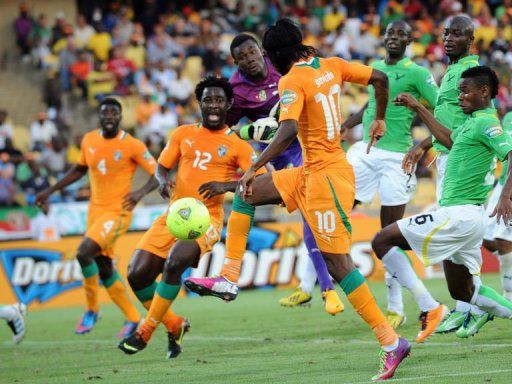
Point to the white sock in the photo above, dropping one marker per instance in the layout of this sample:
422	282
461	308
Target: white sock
394	291
308	278
7	312
392	347
506	273
492	302
477	281
397	265
462	306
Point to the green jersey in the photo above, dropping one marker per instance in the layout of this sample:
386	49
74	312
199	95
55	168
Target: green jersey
468	178
507	127
448	111
404	77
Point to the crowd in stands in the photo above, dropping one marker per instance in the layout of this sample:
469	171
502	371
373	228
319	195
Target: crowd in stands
153	59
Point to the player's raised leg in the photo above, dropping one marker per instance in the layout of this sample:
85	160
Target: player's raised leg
143	270
184	254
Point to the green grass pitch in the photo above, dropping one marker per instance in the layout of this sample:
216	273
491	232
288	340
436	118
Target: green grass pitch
252	340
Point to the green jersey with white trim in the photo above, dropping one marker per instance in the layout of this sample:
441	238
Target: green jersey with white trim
448	111
476	144
404	77
507	127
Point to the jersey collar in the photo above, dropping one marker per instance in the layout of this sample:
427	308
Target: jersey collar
471	59
120	135
487	112
311	62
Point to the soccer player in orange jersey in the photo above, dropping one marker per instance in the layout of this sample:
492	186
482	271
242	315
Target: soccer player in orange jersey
207	156
111	156
323	188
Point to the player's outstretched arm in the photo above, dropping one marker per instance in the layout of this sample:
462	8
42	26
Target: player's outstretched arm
75	173
165	184
355	119
214	188
504	207
380	83
441	133
414	155
132	198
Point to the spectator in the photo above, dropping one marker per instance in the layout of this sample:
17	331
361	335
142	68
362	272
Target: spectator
35	181
125	27
253	18
365	45
59	28
181	88
80	72
333	19
340	43
73	152
41	132
121	67
6	131
10	154
229	67
159	127
143	81
100	43
100	83
7	189
83	31
40	37
161	47
43	227
22	27
144	110
54	158
67	57
52	94
136	51
163	74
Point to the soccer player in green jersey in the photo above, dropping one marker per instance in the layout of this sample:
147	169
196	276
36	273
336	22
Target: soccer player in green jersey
498	237
454	232
381	170
458	36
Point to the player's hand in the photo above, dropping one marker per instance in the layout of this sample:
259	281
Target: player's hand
131	200
245	183
42	197
503	210
377	130
211	189
264	129
411	158
165	189
406	100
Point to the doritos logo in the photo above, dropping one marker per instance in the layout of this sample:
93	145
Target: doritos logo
37	274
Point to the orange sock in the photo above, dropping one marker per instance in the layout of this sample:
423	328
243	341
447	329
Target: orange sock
117	293
162	300
364	303
239	225
91	284
171	320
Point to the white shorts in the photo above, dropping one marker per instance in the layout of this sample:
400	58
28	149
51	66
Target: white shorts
493	230
380	171
441	160
450	233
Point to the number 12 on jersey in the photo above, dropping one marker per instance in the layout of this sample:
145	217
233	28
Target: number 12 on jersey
331	107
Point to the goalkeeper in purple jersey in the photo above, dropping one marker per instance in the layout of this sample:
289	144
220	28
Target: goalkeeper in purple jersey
256	97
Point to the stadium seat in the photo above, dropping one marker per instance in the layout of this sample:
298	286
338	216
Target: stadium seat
21	138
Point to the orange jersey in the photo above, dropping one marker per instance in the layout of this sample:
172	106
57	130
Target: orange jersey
112	164
310	93
203	155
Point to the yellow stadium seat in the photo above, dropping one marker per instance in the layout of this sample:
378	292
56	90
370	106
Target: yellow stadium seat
21	138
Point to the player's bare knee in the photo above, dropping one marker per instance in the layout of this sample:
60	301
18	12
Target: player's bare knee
503	246
380	245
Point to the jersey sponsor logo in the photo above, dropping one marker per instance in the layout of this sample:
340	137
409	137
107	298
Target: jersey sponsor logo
117	155
326	77
39	275
262	96
222	150
288	97
493	131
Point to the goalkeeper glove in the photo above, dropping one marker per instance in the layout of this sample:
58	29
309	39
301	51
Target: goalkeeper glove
262	130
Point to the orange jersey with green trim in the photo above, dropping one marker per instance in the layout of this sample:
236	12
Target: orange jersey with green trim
112	164
203	155
310	93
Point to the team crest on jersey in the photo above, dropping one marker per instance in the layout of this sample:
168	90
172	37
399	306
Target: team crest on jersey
262	96
147	156
222	150
254	157
288	97
493	131
117	155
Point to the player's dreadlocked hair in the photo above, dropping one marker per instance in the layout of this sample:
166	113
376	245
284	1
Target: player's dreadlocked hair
482	76
240	39
283	44
212	81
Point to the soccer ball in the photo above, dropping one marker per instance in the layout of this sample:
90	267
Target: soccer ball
188	218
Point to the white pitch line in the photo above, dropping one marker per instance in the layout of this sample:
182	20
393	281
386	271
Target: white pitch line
428	377
261	340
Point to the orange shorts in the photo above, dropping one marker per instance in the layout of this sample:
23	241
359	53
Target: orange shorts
325	199
104	227
159	241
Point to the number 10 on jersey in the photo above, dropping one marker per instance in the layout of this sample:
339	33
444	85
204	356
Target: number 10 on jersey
331	106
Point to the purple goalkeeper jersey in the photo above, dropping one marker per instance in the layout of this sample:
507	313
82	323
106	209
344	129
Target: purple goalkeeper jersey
255	101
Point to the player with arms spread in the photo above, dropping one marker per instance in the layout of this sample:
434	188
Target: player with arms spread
255	95
111	156
381	170
203	153
453	233
323	188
